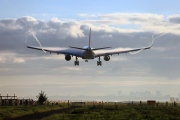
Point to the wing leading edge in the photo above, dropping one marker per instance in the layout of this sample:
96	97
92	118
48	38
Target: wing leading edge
66	51
116	51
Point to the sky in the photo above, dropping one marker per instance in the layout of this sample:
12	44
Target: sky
119	24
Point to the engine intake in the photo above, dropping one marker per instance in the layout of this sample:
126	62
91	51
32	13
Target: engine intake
107	58
68	57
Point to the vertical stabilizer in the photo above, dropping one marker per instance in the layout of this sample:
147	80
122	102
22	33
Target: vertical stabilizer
90	38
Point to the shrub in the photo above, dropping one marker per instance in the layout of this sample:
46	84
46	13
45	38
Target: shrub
41	98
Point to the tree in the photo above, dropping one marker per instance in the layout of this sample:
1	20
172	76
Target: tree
41	97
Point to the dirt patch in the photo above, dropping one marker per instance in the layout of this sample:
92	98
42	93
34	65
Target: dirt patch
44	114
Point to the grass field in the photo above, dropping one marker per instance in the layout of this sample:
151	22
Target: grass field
105	111
7	112
120	112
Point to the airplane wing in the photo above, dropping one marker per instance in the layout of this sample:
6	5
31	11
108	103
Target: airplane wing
119	51
58	50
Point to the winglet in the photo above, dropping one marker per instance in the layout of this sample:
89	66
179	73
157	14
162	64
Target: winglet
153	39
37	42
90	38
26	41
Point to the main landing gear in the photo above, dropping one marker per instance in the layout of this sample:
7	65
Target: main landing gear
99	63
76	62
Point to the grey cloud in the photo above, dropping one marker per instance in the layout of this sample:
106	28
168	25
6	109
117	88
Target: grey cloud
175	20
63	34
125	18
7	22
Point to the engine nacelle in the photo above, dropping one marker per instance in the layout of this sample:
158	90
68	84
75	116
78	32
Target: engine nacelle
68	57
107	58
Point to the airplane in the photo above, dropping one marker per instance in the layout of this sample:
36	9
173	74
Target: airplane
87	52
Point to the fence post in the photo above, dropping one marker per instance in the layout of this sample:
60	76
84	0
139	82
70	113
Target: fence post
157	103
166	103
115	105
174	104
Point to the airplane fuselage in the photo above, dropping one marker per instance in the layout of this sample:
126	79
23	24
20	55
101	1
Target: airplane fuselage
88	53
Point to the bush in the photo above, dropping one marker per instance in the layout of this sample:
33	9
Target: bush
41	98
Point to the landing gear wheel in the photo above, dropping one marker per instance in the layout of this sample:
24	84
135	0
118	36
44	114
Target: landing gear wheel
86	60
99	63
76	62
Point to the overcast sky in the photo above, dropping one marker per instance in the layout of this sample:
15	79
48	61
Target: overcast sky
119	24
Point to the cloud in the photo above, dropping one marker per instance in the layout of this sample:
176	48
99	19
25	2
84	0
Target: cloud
138	21
65	29
118	30
2	59
10	57
18	60
174	19
125	18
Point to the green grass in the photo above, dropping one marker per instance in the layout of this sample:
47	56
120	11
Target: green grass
16	111
95	111
120	112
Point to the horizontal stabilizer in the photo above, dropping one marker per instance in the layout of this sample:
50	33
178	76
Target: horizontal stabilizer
100	48
77	48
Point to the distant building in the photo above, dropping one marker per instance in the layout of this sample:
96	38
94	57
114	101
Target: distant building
167	96
158	94
119	93
147	94
151	102
177	99
172	99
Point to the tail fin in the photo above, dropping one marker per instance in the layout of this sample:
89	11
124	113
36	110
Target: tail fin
89	47
90	38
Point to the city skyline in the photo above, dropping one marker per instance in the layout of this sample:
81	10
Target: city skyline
132	96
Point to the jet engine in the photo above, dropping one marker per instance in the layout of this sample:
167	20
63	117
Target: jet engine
107	58
68	57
